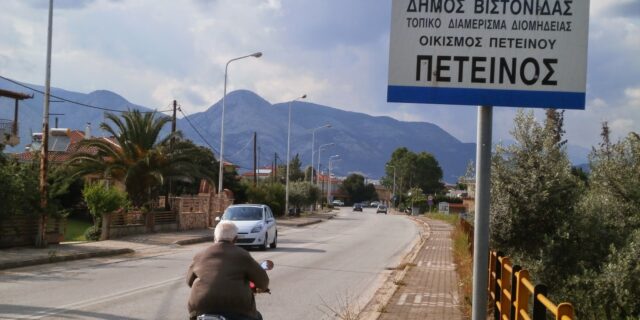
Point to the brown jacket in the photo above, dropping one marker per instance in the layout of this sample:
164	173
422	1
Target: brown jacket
219	279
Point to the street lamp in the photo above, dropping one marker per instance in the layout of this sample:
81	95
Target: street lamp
394	185
226	68
286	193
319	152
313	139
329	176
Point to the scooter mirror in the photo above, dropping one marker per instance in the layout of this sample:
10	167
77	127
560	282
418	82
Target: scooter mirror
267	265
217	219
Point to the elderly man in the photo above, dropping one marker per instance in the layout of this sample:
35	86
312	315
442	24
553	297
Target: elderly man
219	278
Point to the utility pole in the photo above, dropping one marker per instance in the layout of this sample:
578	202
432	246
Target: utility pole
167	206
275	167
173	122
41	239
255	159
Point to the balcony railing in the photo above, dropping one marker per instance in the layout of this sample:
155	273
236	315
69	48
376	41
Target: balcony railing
9	132
6	126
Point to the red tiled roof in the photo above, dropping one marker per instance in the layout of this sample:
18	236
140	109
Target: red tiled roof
75	137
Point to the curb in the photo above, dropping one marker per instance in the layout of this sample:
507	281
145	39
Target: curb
395	283
193	240
69	257
303	224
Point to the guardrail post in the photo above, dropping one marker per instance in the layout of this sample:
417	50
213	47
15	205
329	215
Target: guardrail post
565	310
514	291
492	268
504	286
539	310
496	288
522	293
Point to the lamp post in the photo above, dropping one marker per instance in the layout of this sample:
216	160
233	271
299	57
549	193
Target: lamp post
226	68
319	152
286	192
313	139
394	185
329	176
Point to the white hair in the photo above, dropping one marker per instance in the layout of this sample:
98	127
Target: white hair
225	231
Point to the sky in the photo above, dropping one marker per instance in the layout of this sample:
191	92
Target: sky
336	51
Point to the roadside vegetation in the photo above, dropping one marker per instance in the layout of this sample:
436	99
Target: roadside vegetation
577	233
75	230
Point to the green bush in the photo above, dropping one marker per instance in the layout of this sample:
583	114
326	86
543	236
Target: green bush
93	233
271	194
102	199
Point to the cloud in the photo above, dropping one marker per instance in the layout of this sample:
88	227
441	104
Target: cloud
335	51
64	4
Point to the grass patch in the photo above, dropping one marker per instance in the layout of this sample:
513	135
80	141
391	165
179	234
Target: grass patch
75	230
464	262
450	218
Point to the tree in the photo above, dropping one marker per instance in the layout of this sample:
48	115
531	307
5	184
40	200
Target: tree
608	255
101	200
421	170
140	159
303	193
533	198
355	187
271	194
295	169
428	173
20	194
20	189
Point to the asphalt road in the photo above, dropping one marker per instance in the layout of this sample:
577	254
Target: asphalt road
320	270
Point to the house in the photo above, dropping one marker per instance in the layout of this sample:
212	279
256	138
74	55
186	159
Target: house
334	183
9	129
263	174
63	143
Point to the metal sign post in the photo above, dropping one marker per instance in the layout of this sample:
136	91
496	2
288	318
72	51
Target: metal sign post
481	225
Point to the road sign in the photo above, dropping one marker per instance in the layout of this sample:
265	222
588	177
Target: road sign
443	207
520	53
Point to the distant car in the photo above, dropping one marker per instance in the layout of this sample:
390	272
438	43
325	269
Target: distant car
256	225
381	209
357	207
337	203
374	204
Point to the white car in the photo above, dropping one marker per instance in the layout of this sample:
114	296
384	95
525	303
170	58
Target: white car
256	225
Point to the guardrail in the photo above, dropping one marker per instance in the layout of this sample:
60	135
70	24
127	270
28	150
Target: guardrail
511	290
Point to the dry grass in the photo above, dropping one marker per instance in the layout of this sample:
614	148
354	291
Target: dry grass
464	262
345	309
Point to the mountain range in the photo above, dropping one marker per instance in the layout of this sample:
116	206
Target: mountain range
364	142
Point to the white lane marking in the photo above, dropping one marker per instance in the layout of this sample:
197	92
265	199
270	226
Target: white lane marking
403	298
89	302
445	300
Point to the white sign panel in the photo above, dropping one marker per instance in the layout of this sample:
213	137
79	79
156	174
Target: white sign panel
520	53
443	207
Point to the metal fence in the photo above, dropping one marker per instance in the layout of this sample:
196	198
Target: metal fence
514	296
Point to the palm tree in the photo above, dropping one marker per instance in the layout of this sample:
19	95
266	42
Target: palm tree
138	158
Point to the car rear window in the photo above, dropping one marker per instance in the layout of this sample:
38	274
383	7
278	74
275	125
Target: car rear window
242	214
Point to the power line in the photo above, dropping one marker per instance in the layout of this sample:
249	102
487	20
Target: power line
186	117
74	102
243	148
197	131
